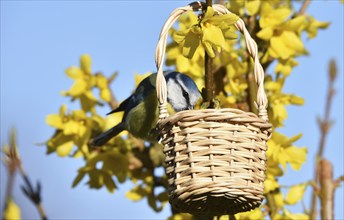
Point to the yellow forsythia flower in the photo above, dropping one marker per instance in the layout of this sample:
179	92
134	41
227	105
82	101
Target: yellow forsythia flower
295	194
12	211
210	32
73	128
283	35
281	150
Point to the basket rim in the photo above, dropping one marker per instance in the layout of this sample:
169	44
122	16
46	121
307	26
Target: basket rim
179	116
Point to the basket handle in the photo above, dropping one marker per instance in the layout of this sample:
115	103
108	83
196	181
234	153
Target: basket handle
252	48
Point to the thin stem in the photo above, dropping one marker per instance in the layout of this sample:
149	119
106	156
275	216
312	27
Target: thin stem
338	180
304	7
12	162
35	196
252	24
326	123
209	81
209	93
324	127
41	211
327	189
9	189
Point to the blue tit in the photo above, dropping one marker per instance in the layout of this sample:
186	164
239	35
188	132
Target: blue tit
141	108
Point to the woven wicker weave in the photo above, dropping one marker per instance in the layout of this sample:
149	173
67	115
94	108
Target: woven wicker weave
215	157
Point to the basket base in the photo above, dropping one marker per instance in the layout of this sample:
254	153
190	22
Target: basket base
213	205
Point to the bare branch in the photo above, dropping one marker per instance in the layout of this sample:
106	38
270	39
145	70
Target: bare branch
304	7
209	92
324	125
326	189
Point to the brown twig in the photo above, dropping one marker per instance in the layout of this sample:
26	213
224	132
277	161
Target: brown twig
324	125
338	180
41	211
327	189
209	91
9	190
304	7
12	162
33	194
252	25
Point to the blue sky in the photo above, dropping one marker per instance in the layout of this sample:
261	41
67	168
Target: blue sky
40	39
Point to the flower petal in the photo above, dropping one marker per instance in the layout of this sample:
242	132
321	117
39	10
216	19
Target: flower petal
65	148
74	72
85	63
265	33
252	6
295	194
191	44
78	87
54	121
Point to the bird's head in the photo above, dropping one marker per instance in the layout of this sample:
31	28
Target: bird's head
182	92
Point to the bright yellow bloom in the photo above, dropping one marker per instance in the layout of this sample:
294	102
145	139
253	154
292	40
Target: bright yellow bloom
278	197
295	194
283	35
84	82
12	211
193	67
314	25
278	101
285	66
73	128
210	32
252	6
113	162
103	85
281	151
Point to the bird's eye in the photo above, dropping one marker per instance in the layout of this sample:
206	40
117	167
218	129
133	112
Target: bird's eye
185	94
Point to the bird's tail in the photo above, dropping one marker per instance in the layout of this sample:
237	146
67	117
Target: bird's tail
107	135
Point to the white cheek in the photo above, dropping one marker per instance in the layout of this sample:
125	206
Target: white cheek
175	96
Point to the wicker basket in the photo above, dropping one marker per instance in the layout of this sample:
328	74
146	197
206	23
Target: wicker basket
215	158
